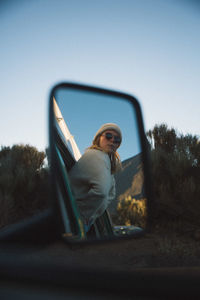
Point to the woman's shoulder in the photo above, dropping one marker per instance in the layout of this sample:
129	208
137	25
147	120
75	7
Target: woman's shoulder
91	151
92	156
89	158
95	153
94	160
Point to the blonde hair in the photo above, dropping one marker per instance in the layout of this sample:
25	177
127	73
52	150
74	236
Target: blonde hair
114	157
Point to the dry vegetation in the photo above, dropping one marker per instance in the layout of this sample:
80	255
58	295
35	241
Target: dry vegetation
174	212
176	176
175	168
23	183
131	211
176	207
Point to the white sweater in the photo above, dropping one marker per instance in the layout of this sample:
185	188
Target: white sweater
92	184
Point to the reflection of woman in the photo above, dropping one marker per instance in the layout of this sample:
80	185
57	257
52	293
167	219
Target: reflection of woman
92	176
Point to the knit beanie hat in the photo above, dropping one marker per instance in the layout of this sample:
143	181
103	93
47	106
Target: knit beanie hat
108	126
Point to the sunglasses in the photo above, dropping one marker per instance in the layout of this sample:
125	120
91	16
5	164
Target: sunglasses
109	136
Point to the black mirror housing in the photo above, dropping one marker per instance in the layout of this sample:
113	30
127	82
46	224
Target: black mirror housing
80	107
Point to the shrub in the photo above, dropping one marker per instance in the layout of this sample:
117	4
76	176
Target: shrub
131	212
23	183
175	176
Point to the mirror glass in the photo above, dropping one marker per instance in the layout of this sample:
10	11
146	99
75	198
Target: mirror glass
110	202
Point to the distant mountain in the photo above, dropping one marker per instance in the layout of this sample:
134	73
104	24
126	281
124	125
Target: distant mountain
129	181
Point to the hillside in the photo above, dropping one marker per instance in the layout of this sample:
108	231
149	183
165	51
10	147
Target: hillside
129	181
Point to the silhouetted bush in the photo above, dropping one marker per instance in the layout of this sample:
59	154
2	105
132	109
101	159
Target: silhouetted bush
23	183
175	177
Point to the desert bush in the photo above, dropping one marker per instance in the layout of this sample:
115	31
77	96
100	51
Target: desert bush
23	183
131	212
175	176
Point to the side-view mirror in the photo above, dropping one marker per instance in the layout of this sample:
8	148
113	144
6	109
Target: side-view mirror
98	163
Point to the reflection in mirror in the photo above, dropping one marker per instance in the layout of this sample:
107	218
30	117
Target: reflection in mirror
99	171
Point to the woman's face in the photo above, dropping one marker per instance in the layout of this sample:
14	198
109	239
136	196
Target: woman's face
109	141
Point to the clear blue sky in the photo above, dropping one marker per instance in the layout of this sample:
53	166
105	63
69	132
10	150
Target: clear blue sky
148	48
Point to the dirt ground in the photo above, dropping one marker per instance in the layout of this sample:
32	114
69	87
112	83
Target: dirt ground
150	251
